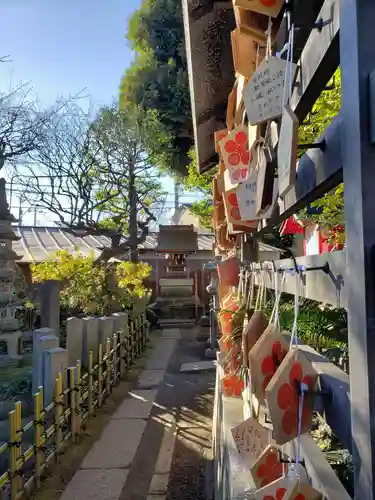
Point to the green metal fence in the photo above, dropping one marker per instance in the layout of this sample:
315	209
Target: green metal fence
78	393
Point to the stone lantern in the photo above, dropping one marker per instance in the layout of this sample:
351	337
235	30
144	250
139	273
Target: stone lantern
9	324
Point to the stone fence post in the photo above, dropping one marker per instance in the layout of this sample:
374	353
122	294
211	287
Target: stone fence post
49	294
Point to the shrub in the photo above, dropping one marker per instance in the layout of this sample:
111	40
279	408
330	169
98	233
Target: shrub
92	287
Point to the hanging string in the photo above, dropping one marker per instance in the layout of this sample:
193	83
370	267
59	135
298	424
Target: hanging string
296	310
276	287
288	76
250	293
264	294
278	294
304	388
259	293
240	285
269	38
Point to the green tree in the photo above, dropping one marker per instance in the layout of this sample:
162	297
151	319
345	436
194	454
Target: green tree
96	176
158	79
329	210
201	183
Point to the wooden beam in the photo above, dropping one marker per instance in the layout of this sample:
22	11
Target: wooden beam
318	61
335	409
357	60
316	285
317	173
321	474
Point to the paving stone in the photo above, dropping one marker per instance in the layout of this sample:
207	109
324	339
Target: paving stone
160	356
117	446
198	366
137	405
96	485
171	333
150	378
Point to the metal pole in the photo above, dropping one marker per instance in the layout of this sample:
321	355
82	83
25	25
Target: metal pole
357	61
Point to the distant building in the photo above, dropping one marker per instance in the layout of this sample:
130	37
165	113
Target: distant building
184	217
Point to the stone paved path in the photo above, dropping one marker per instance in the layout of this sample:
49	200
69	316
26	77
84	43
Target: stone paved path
157	445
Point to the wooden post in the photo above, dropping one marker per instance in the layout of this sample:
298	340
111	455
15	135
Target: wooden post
73	415
100	376
38	404
90	401
122	353
357	61
18	410
58	414
114	362
78	398
13	455
108	367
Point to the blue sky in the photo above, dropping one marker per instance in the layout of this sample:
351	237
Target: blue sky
62	47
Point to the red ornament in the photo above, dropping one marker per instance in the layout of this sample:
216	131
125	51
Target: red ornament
271	363
238	149
268	3
280	492
232	199
288	400
271	470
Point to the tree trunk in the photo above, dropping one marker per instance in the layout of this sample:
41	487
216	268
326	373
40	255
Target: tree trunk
133	227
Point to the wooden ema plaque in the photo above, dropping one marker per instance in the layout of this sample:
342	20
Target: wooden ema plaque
264	359
222	239
282	395
263	94
266	170
287	151
253	24
303	491
231	206
267	468
250	439
236	154
219	213
252	332
245	53
277	490
246	193
232	385
216	194
231	108
243	227
270	8
228	271
218	135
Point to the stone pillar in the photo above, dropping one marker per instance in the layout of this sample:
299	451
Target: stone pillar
106	330
55	361
121	320
49	292
43	338
74	340
90	339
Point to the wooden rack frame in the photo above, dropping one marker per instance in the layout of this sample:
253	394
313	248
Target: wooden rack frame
349	156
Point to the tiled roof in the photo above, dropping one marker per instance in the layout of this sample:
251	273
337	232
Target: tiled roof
39	243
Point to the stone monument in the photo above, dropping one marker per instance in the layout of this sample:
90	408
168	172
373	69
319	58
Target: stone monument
10	333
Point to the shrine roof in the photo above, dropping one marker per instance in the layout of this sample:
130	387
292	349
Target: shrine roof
37	244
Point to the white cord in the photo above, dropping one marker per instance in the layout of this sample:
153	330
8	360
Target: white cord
296	310
304	388
278	298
